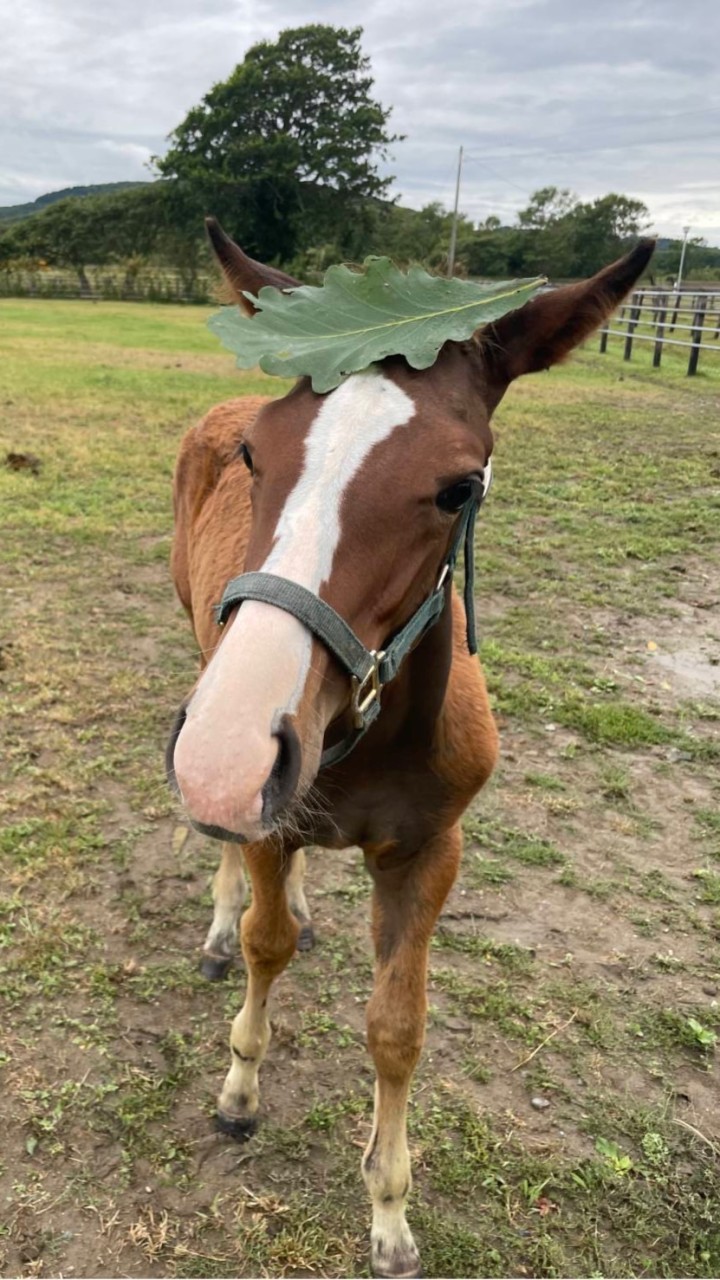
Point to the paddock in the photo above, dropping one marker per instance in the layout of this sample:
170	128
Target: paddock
565	1113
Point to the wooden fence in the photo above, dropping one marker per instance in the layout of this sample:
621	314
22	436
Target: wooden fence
652	315
117	283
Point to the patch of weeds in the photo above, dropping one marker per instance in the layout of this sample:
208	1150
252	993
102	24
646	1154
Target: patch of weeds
36	842
671	1029
324	1116
488	871
708	820
142	1099
154	980
494	1002
655	885
615	724
704	1037
646	926
655	1149
316	1025
86	1035
602	890
354	889
614	782
48	1109
545	782
456	1142
279	1238
513	958
533	851
593	1005
666	962
617	1161
475	1070
450	1247
46	957
710	882
560	806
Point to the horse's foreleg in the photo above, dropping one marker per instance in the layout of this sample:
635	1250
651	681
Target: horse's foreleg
297	901
229	894
229	897
408	897
269	935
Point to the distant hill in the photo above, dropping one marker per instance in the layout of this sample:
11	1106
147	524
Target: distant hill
15	212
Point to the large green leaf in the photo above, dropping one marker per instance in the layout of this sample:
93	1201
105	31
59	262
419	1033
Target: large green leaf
357	318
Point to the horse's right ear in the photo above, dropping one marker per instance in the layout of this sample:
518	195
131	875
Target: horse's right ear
243	274
545	330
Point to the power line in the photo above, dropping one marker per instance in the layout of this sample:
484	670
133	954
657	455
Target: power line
494	172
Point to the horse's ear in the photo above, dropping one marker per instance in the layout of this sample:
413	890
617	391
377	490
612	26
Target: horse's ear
545	330
241	273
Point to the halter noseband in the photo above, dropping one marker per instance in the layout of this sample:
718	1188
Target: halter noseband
369	669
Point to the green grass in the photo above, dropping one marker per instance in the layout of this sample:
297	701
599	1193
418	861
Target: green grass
578	957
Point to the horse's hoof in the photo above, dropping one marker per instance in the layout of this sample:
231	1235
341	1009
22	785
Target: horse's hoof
238	1127
396	1264
306	938
215	968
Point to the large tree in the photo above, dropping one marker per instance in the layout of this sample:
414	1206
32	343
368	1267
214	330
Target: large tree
565	237
295	118
604	228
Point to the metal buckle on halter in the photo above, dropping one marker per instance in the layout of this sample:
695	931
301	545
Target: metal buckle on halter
366	691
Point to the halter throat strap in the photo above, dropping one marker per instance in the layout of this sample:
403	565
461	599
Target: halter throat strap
369	669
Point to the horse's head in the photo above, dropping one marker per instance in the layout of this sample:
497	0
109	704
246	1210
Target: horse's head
355	496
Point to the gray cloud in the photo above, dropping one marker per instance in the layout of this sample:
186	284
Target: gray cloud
621	96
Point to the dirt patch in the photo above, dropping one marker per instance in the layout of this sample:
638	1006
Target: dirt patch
695	671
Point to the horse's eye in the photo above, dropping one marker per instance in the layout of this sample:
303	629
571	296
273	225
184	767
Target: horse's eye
246	456
453	498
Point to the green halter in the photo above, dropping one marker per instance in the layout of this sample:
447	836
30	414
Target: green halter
369	669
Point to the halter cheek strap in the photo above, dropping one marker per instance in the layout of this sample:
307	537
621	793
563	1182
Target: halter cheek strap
369	669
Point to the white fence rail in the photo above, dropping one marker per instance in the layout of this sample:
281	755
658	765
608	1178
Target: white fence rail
667	312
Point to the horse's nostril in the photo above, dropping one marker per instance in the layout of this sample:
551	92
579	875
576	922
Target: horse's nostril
283	780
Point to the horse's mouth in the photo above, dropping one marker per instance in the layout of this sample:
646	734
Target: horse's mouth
217	833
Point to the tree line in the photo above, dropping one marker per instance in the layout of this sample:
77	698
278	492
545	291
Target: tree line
285	153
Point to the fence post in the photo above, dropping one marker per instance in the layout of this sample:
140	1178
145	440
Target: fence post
696	335
603	341
635	313
661	314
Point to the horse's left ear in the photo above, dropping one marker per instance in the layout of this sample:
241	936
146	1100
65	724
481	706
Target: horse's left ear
242	274
545	330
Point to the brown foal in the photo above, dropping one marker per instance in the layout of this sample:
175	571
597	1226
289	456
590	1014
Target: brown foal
354	495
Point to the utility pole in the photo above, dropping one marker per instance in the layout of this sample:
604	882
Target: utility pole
453	232
686	233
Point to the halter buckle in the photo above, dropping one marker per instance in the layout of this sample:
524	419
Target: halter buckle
366	691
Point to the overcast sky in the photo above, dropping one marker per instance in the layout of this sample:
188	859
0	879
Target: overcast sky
607	95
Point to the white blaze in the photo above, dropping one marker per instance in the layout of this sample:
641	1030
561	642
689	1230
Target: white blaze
226	750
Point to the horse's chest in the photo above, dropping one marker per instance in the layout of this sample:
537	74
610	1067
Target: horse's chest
397	805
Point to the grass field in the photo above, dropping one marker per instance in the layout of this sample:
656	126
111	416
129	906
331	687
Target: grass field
565	1118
